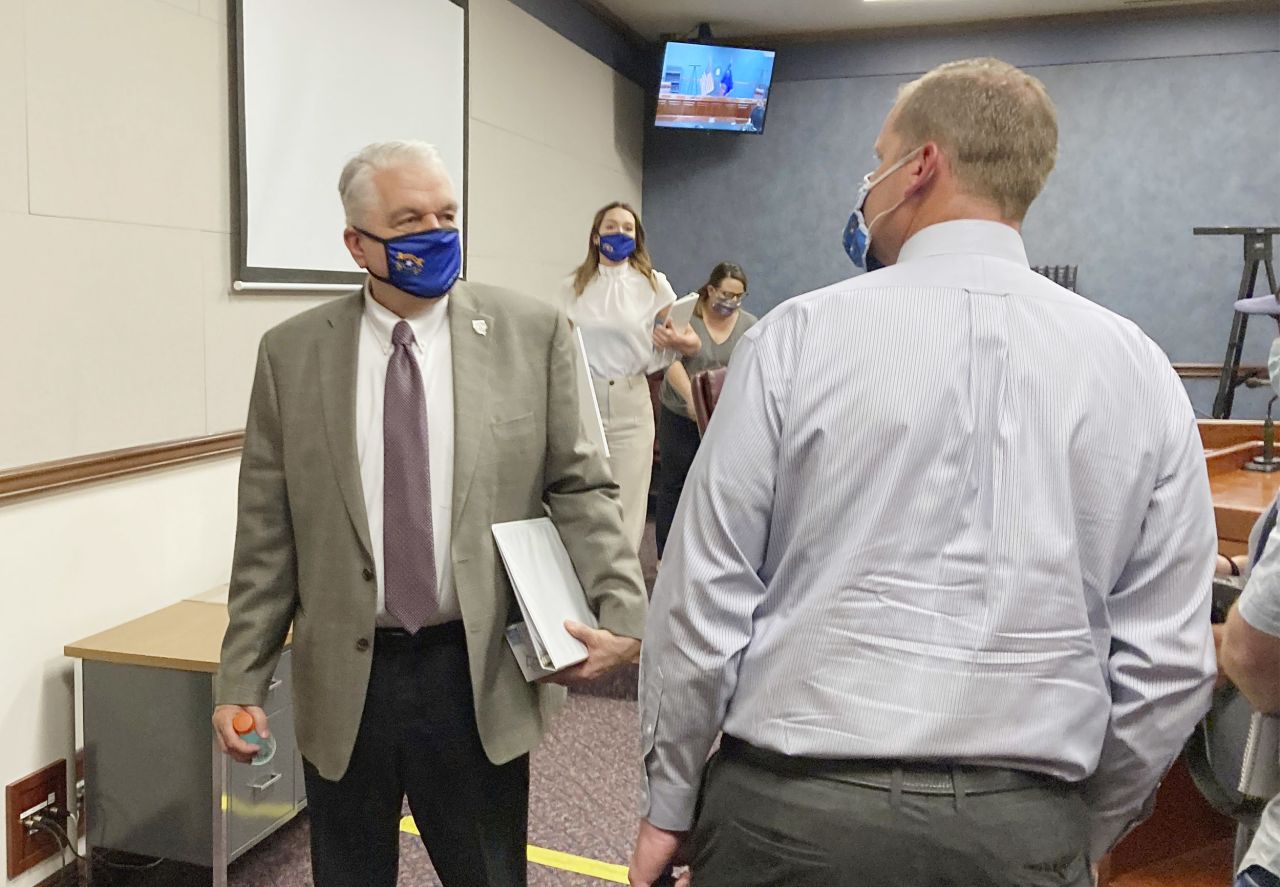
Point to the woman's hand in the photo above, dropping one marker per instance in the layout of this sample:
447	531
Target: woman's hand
685	341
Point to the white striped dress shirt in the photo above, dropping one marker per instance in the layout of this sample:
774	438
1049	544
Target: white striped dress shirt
944	511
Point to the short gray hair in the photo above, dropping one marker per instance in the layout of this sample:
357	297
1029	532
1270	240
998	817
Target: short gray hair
355	185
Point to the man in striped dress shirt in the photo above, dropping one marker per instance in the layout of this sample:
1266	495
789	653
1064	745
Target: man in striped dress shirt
941	569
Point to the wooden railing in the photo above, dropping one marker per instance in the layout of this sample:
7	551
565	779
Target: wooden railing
65	474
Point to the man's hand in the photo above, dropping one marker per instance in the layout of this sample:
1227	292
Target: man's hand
657	850
228	740
605	652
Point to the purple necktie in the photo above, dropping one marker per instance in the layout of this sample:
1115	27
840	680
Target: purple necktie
408	542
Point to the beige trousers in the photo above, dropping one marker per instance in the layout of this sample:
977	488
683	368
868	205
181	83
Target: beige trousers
627	412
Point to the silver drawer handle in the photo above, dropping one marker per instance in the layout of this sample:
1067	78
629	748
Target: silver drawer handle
266	783
274	685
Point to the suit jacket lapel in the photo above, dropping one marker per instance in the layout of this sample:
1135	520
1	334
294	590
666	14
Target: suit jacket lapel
337	353
469	330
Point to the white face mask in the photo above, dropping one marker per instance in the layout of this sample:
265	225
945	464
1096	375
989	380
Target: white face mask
1273	365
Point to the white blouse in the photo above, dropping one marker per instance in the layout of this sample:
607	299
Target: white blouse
615	314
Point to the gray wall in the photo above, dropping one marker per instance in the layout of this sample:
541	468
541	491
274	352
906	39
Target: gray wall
623	52
1165	125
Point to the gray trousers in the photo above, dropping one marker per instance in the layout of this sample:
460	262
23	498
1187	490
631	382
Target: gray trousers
758	827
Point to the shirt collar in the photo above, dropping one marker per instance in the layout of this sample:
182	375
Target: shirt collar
613	271
966	237
382	320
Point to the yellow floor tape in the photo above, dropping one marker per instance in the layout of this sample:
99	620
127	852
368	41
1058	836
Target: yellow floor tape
579	865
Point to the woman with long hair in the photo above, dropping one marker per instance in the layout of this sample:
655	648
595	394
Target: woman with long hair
619	303
720	323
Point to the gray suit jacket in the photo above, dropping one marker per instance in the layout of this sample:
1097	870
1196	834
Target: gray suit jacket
303	552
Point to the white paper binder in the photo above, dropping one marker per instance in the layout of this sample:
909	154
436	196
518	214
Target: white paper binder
587	403
548	591
1260	767
682	311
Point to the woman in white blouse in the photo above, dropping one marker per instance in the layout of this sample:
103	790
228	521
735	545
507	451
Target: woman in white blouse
620	303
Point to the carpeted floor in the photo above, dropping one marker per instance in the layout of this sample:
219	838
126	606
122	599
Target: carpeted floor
585	781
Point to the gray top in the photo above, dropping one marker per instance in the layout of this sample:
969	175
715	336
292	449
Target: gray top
709	357
1260	607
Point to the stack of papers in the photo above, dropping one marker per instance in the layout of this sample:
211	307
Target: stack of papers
548	591
1260	768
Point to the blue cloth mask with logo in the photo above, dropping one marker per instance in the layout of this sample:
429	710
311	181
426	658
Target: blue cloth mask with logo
426	264
857	232
617	246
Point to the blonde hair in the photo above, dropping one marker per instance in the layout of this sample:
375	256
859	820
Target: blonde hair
995	123
591	264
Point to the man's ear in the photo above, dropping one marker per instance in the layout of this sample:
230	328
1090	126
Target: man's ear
925	167
351	237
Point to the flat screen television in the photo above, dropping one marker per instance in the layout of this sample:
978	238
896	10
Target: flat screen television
714	87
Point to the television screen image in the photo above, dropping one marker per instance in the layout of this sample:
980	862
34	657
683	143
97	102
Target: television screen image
714	87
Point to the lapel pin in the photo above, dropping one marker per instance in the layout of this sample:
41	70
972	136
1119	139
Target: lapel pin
480	326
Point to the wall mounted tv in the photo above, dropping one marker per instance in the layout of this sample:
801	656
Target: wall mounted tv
714	87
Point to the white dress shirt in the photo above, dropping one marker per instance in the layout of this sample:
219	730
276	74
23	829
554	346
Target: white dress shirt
946	511
434	353
615	314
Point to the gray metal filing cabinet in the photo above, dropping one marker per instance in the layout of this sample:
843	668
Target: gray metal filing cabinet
156	782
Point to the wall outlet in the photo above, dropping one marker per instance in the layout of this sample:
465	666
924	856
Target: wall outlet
24	797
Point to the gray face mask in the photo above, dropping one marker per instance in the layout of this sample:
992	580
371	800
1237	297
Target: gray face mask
1273	365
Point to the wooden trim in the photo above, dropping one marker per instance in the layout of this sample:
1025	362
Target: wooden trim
64	474
1213	370
1218	434
1232	458
1234	523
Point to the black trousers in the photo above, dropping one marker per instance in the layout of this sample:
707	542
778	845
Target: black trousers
418	738
678	441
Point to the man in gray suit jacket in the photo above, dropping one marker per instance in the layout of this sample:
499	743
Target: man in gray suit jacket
387	431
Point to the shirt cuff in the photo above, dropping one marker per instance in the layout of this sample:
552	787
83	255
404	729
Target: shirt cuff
669	807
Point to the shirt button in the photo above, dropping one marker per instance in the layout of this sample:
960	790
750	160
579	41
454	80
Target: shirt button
612	382
367	573
362	645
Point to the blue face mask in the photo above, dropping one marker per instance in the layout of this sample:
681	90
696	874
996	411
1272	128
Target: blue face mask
426	264
617	246
857	233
